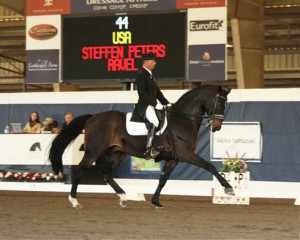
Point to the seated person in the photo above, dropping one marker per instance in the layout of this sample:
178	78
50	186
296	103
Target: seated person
50	125
33	125
68	118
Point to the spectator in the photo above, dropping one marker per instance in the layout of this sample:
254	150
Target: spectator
33	125
50	125
68	118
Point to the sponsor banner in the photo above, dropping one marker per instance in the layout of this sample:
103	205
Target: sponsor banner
237	139
89	6
43	32
183	4
42	66
140	166
207	26
47	7
207	62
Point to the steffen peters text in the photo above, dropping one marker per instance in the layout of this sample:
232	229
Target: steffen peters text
122	58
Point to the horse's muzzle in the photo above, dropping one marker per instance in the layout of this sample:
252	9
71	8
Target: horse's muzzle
216	125
215	129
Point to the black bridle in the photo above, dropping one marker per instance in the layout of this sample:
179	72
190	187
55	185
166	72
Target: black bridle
212	111
210	115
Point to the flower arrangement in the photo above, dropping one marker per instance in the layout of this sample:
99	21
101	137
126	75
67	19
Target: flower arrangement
29	177
235	164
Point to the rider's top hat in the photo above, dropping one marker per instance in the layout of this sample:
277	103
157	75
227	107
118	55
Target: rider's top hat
149	56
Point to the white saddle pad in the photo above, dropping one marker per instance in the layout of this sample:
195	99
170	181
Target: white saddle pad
139	128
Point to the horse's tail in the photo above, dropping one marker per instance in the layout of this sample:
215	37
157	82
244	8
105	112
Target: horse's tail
63	139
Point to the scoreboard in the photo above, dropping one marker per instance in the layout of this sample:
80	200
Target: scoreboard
108	47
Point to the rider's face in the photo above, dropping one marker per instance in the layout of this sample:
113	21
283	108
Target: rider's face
150	64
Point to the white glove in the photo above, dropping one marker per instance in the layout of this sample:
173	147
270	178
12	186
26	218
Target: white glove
159	106
168	107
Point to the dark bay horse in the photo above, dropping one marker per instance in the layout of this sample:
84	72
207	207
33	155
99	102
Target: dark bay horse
106	134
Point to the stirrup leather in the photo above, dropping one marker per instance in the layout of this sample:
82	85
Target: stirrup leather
151	153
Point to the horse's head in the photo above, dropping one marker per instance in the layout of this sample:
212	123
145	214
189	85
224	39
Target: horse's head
215	108
205	101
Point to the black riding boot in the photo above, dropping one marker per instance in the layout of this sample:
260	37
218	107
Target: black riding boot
150	151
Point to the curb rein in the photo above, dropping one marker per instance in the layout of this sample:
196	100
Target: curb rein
210	116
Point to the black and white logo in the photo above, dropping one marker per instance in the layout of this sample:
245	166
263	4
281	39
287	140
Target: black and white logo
206	25
35	147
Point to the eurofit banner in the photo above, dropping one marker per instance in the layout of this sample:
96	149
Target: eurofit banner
207	38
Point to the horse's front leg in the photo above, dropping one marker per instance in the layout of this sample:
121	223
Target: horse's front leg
168	169
200	162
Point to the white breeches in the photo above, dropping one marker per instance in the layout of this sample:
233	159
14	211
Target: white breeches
151	115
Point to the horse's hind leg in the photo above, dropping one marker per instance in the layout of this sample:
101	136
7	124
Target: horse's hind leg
114	159
85	163
77	176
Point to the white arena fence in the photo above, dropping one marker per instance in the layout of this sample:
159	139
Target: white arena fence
274	175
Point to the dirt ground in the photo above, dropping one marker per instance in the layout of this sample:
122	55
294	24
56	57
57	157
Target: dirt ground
36	215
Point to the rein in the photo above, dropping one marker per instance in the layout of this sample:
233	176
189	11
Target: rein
209	116
188	116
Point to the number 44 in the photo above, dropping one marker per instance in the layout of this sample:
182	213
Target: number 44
122	21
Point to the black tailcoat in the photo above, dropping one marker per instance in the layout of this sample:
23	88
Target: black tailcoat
148	92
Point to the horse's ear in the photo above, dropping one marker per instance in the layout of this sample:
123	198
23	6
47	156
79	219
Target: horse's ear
228	90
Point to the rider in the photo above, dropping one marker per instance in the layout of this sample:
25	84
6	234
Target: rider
149	93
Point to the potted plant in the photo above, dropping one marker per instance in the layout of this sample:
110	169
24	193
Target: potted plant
235	164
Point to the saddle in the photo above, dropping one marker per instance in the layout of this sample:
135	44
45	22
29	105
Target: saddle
141	128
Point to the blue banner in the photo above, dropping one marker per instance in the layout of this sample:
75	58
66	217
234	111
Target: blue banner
207	62
42	66
89	6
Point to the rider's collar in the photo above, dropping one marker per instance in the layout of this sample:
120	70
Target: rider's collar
148	70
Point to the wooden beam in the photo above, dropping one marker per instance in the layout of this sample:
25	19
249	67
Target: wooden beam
60	87
248	41
18	6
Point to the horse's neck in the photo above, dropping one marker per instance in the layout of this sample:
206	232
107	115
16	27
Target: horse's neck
191	110
193	107
190	116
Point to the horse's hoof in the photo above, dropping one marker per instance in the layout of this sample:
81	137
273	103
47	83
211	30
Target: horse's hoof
78	207
123	204
123	200
160	208
75	203
229	191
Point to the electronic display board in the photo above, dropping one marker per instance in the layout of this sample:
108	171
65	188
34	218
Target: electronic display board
97	48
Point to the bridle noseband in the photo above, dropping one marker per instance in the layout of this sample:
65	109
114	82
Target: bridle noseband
211	113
